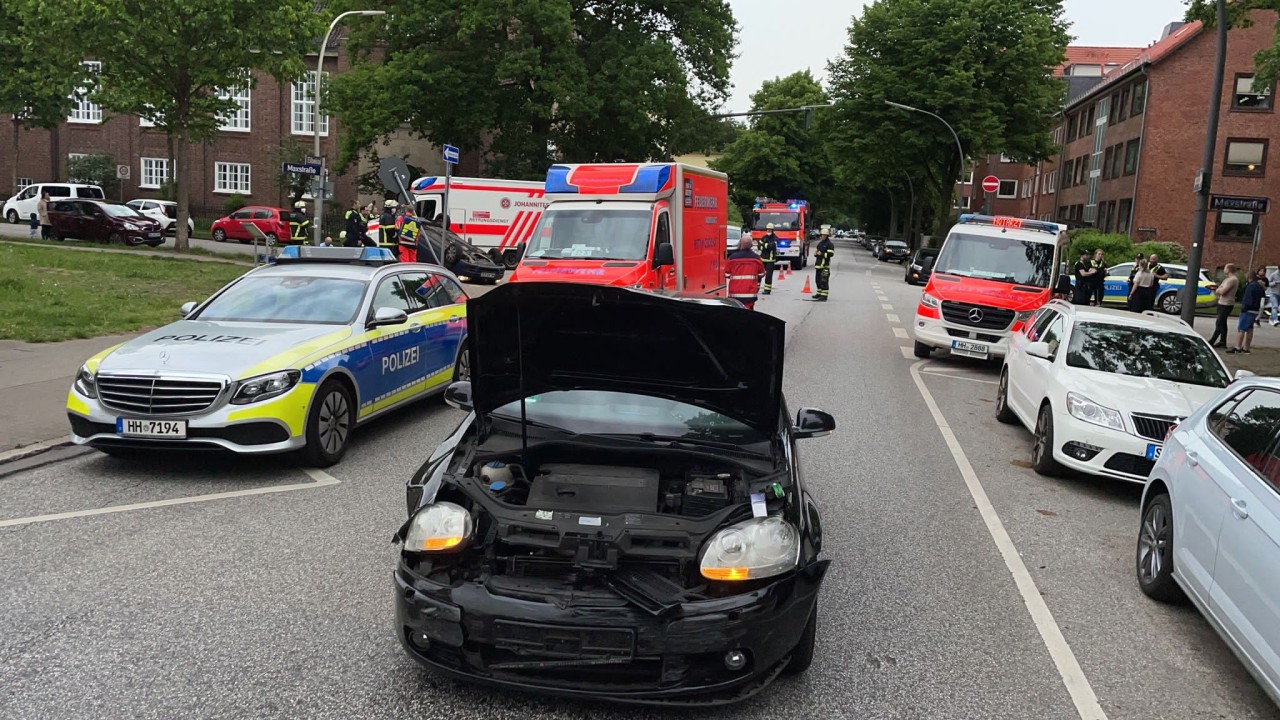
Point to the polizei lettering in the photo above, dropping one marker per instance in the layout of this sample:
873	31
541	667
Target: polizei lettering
400	360
211	338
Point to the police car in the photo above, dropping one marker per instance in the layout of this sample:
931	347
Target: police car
290	356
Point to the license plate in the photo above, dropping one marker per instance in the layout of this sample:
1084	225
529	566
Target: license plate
129	427
974	350
153	234
1153	451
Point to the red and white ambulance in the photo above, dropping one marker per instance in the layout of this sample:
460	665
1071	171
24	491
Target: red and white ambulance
653	226
989	278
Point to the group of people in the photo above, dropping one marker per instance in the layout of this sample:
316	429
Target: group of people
747	269
1144	281
1258	285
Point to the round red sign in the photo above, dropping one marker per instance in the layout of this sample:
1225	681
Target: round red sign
990	183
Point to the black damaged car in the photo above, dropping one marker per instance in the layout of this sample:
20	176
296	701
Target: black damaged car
621	514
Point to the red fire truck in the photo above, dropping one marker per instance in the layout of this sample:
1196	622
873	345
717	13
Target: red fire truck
790	223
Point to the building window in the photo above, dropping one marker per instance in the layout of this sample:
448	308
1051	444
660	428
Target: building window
1131	157
303	105
1007	189
1247	99
1245	158
1107	160
968	180
1122	216
155	172
1139	98
231	178
1005	158
962	202
1121	107
83	111
1089	119
1236	226
238	120
22	184
1117	160
1071	128
1049	181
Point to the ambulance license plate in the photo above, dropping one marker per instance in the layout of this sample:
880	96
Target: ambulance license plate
130	427
969	349
1153	451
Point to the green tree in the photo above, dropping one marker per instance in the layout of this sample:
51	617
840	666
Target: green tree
983	65
175	62
293	184
537	81
98	169
42	67
1241	13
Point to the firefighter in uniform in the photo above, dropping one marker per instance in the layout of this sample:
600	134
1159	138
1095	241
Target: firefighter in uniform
409	231
387	234
822	266
302	224
744	272
357	226
768	256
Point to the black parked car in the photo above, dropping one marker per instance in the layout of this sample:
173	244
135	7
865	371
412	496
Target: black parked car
920	266
621	514
893	251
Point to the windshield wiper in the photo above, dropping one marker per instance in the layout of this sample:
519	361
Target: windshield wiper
654	438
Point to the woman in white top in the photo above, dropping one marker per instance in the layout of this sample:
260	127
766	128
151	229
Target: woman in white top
1141	296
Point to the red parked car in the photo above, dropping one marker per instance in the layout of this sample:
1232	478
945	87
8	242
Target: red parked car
103	222
273	222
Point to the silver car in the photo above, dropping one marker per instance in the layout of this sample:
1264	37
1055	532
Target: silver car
1211	522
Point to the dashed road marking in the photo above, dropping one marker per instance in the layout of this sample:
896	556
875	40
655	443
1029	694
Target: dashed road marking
320	479
891	317
900	333
907	352
886	306
1064	659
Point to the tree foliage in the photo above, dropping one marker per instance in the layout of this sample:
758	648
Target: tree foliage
529	82
1242	13
174	61
97	169
294	185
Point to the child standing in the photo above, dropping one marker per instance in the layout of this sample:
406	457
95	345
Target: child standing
35	225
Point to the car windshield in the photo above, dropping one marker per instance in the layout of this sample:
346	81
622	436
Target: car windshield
592	234
780	220
1142	352
895	244
120	210
997	258
287	299
602	412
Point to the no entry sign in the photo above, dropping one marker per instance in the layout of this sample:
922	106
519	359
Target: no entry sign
990	183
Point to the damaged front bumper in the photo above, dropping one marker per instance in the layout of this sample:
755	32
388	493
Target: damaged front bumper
596	644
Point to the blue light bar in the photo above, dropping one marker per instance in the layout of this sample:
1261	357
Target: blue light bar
306	254
1007	222
423	183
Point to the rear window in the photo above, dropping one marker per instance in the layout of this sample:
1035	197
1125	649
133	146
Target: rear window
56	191
92	191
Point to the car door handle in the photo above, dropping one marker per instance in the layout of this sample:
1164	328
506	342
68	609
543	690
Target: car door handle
1240	508
1192	458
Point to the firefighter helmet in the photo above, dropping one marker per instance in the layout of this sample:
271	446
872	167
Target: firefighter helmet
300	204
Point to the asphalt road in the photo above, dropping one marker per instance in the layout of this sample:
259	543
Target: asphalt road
265	591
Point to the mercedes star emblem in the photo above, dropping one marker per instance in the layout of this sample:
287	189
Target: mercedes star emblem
975	315
164	357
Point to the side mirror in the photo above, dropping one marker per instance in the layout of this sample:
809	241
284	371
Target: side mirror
665	255
186	308
520	248
1040	350
458	395
387	316
813	423
1242	374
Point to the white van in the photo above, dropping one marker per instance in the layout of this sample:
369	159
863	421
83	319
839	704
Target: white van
22	206
494	215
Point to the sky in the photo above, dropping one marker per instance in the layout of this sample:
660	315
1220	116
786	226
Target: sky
778	38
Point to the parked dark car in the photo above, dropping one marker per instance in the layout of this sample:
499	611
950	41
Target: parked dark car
102	221
893	251
921	266
273	222
621	515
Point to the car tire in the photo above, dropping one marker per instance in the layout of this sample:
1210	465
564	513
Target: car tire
510	259
115	237
922	350
462	365
802	655
329	424
219	235
12	217
1169	303
1003	413
272	238
451	256
1042	451
1154	559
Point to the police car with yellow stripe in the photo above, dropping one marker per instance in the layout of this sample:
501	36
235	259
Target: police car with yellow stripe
289	357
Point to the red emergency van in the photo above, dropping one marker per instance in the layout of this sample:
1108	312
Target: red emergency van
654	226
989	278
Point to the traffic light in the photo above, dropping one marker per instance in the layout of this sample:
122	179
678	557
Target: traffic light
808	118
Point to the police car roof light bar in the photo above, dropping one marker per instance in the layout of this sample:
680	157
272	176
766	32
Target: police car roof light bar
308	254
1007	222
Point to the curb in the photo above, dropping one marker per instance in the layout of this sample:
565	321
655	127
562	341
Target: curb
27	451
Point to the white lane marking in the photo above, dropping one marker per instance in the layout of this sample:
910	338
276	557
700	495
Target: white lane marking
891	317
907	352
886	306
900	333
882	298
950	376
1064	659
320	477
866	272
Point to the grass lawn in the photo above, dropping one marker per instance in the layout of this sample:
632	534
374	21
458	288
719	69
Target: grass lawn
230	255
48	294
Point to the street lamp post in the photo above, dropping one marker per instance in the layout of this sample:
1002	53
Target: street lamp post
911	214
959	148
315	115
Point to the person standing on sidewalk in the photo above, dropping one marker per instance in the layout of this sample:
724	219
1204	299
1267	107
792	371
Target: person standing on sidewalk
1099	265
42	214
1084	272
1226	293
1140	284
1273	290
1250	304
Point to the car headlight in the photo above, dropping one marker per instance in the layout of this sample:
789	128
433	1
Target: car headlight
265	386
1082	408
440	527
1023	316
753	549
87	382
930	301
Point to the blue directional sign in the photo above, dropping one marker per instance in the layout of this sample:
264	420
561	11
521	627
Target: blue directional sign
451	154
301	168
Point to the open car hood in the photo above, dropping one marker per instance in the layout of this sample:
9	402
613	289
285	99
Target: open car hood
536	337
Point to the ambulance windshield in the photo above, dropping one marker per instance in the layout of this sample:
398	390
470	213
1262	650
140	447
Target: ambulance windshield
592	232
1001	259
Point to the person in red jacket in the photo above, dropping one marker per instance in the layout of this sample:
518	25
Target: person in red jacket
744	271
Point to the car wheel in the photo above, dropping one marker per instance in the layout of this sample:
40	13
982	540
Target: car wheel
1169	303
462	366
272	238
1003	413
1042	451
329	424
510	260
1155	551
219	235
12	217
802	655
451	256
115	237
922	350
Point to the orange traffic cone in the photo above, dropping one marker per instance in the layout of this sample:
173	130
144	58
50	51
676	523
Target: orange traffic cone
782	273
806	289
